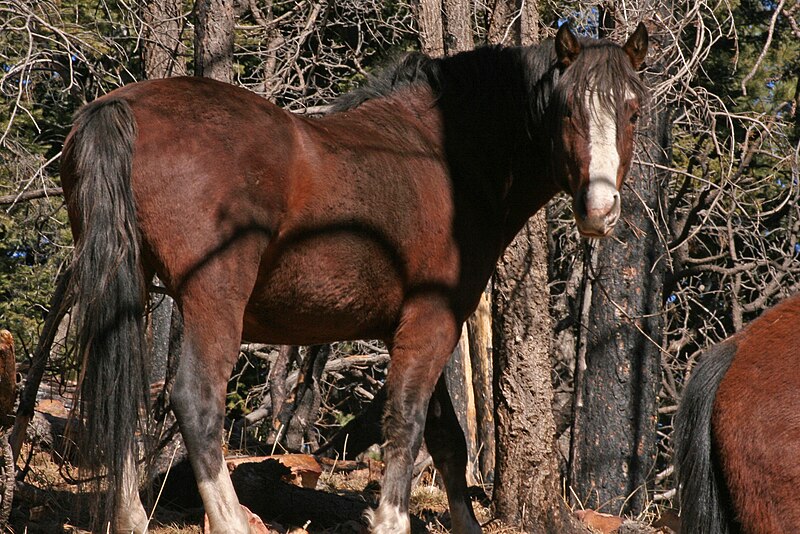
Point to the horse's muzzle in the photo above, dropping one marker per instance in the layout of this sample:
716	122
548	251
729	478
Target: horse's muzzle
597	208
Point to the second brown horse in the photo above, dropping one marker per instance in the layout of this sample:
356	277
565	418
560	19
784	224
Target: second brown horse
737	431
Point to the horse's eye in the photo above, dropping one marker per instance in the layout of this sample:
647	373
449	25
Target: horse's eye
634	118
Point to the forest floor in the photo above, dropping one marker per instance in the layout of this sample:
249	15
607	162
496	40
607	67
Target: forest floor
48	503
294	494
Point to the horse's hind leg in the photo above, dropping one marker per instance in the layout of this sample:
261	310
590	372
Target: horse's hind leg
425	339
131	516
445	440
198	398
212	334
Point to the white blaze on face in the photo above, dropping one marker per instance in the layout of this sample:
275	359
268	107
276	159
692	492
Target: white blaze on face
603	156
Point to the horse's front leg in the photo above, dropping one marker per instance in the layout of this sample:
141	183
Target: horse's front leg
421	346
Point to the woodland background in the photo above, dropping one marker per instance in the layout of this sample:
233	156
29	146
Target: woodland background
588	341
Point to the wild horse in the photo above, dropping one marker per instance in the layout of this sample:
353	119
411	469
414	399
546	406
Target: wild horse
382	220
737	431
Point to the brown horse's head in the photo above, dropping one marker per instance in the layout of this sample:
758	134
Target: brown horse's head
595	108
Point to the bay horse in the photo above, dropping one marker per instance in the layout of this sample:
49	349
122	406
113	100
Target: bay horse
737	431
381	220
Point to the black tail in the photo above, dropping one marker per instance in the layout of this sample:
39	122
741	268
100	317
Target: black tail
108	289
705	506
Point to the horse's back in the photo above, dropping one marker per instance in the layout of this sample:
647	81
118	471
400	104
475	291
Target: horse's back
369	222
756	422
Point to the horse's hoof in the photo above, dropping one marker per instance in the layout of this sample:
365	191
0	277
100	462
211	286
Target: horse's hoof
255	523
257	526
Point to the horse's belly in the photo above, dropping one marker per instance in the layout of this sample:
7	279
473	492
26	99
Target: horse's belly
324	289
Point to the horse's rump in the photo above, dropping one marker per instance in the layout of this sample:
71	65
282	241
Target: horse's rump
744	446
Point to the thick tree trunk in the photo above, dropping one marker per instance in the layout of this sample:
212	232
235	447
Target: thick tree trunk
163	54
527	489
514	22
614	429
444	26
214	34
431	26
457	27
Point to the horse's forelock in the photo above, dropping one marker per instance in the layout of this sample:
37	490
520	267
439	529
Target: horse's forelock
602	69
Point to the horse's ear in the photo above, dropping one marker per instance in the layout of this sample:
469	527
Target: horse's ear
636	47
567	46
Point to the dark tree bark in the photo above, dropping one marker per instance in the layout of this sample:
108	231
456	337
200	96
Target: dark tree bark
457	28
614	429
514	22
431	26
214	35
160	320
444	26
164	53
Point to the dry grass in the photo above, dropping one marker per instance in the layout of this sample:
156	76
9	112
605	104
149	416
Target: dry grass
52	506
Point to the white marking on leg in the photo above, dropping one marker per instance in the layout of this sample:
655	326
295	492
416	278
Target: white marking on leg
225	514
388	519
131	516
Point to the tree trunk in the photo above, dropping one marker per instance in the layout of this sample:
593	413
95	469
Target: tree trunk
163	54
527	489
444	26
214	34
8	379
431	26
479	331
514	22
614	429
457	28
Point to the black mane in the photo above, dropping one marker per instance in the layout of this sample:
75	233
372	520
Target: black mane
528	74
475	75
414	68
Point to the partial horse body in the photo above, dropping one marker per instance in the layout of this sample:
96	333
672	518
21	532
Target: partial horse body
382	220
737	431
